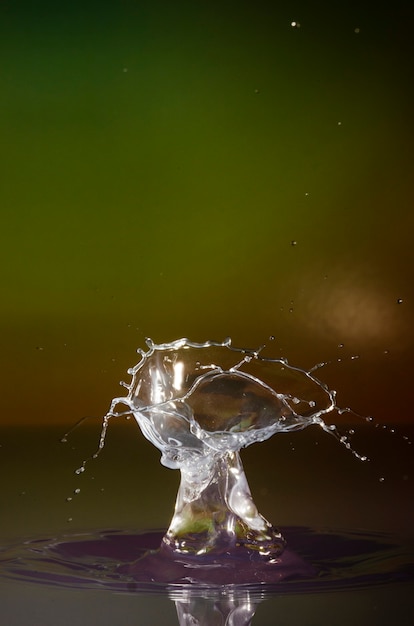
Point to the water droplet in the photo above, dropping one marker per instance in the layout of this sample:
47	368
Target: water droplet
76	490
339	123
382	479
69	499
69	519
272	338
80	470
340	345
256	91
295	24
351	431
63	440
357	30
399	301
293	242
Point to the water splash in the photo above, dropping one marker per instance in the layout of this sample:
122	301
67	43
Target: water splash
199	404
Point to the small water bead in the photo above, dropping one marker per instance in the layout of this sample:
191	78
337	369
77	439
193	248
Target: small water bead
76	491
399	301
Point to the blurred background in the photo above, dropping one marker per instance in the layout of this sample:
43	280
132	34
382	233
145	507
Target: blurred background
204	169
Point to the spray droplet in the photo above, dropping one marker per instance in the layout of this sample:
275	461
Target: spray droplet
293	242
399	301
357	30
295	24
68	499
76	490
69	519
80	470
382	479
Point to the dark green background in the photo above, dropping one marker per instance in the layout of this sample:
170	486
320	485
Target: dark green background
158	159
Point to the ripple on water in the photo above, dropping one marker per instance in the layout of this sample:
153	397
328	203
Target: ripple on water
315	561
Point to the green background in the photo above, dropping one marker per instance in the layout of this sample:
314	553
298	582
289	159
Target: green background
158	160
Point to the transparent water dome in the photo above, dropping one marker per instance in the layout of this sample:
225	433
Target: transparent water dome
199	404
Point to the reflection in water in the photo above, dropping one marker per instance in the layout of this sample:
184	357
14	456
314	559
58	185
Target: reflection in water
199	404
117	561
230	608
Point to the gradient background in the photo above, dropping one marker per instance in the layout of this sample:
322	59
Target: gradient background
157	161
